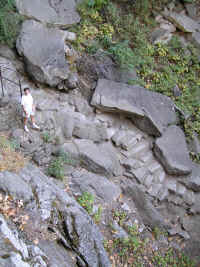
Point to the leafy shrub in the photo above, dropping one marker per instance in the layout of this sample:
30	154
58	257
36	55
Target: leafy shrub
86	200
56	168
10	22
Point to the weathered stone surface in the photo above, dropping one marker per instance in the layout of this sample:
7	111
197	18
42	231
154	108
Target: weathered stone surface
101	159
96	185
13	185
182	22
192	9
192	181
101	66
161	35
136	102
171	150
148	213
195	38
44	52
59	13
91	131
82	235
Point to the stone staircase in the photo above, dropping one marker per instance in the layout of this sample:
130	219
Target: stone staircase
141	165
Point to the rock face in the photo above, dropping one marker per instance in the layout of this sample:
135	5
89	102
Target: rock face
81	237
101	159
193	180
139	104
60	13
182	22
196	39
96	185
171	150
101	66
43	50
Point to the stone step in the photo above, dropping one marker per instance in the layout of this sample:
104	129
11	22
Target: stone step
140	148
140	174
154	166
146	157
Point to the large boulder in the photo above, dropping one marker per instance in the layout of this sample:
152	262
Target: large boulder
151	112
182	22
59	13
171	150
43	50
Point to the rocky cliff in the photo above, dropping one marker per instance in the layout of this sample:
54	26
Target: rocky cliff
108	180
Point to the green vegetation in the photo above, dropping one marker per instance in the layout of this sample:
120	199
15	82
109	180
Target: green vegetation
133	251
86	200
46	137
122	30
120	217
10	22
56	167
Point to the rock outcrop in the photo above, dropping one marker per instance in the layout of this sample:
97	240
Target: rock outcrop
81	236
171	150
58	13
182	22
43	50
102	159
150	111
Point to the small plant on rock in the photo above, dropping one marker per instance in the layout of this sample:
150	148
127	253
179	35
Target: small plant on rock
56	168
86	200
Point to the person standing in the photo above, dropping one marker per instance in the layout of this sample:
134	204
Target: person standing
28	109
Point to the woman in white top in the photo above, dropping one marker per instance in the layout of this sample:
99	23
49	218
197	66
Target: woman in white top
28	108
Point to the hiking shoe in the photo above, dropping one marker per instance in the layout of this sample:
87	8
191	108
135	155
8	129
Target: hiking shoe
36	126
26	129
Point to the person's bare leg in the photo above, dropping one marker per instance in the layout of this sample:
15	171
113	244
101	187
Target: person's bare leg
25	124
33	123
32	119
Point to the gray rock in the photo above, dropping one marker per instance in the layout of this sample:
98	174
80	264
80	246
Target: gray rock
149	214
192	181
4	101
195	208
59	13
13	238
97	185
81	234
72	81
194	144
161	35
176	91
101	66
119	231
175	161
195	38
44	52
101	159
57	254
192	10
137	103
85	238
13	185
6	52
182	22
91	131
